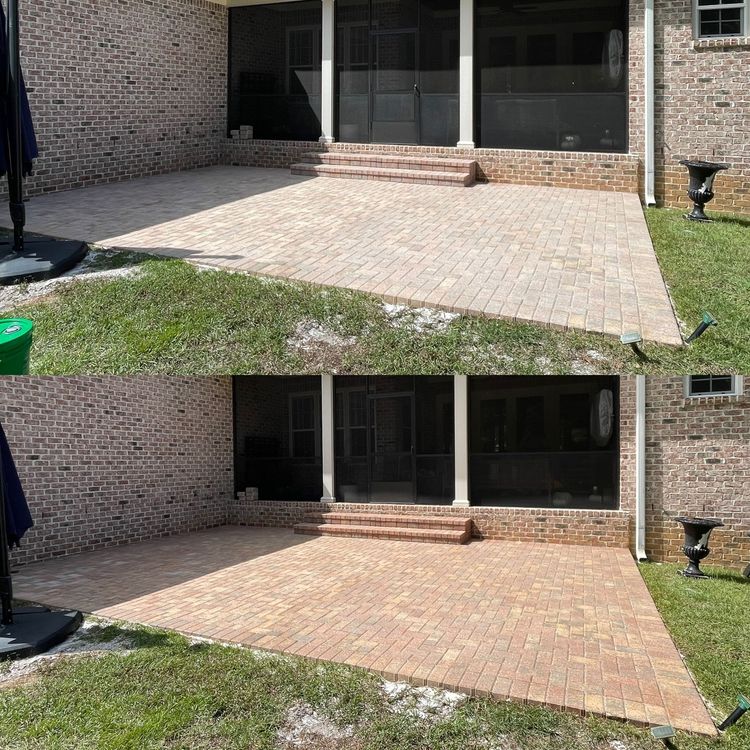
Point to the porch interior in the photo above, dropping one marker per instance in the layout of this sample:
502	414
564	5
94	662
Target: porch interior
499	74
531	442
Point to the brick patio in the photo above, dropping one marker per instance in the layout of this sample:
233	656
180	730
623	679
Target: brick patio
567	258
562	625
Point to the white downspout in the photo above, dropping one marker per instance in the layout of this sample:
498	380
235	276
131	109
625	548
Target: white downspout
649	136
640	467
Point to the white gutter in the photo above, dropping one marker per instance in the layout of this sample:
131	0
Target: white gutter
640	467
648	135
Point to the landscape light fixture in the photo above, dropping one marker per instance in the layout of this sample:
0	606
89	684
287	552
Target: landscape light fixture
633	340
664	733
743	705
705	324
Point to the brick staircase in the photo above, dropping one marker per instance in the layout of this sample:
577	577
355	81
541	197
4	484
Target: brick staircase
427	170
411	528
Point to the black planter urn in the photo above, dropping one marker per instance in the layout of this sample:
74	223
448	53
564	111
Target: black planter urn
697	532
700	188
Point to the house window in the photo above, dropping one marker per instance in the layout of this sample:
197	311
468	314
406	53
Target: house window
303	58
303	425
351	423
699	386
719	18
359	41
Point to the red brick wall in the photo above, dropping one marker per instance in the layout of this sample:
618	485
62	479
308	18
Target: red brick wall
123	88
702	108
111	460
608	528
698	463
550	168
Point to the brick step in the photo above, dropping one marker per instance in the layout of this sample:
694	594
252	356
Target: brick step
397	533
454	179
391	161
410	521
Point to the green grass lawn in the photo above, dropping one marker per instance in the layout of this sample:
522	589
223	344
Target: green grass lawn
710	622
173	318
168	693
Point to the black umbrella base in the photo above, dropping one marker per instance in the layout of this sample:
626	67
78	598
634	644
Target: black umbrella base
36	630
40	259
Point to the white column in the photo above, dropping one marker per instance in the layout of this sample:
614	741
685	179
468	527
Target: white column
461	437
327	437
466	75
327	72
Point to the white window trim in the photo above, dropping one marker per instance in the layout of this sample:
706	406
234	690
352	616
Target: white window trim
745	26
316	51
343	53
737	389
346	428
315	395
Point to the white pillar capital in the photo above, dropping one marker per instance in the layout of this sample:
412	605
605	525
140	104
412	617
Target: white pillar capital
327	71
461	437
466	74
327	437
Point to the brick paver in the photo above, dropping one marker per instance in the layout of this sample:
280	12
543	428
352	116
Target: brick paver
563	625
567	258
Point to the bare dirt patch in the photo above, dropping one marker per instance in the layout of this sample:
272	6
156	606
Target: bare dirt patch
320	346
305	727
428	703
418	319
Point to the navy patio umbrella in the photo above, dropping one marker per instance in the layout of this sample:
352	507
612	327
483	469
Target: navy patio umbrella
29	149
17	516
22	260
28	630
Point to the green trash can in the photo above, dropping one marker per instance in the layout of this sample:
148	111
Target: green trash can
15	345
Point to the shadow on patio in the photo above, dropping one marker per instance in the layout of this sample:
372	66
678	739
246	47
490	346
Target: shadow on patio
116	208
118	575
